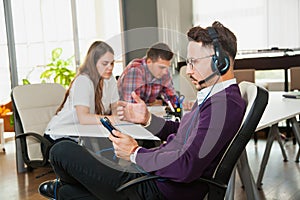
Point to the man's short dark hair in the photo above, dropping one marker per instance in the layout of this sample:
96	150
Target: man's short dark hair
226	38
159	50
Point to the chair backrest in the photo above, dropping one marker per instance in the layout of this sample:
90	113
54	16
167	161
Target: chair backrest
257	99
295	81
33	106
244	75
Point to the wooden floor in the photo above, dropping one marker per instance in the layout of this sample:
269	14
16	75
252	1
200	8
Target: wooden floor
281	179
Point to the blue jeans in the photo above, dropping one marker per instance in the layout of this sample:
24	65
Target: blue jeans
88	176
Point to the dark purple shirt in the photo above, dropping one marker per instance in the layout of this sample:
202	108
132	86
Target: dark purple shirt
194	147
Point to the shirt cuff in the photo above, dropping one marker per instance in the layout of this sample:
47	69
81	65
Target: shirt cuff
133	155
149	121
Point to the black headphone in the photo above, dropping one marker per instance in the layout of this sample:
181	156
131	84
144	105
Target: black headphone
220	60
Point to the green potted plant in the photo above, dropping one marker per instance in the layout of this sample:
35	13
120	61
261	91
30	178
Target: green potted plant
58	70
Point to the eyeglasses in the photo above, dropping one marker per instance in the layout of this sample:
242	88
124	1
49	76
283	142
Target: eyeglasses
193	61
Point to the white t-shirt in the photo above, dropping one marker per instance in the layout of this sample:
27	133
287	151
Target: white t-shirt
83	93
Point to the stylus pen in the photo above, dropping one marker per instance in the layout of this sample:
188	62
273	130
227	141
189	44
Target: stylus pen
168	102
171	106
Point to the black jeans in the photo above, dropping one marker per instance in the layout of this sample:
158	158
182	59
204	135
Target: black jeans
88	176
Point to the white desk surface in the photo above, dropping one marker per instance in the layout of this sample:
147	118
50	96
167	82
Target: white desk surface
134	130
278	109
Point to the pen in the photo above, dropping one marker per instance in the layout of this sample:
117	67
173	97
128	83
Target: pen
170	105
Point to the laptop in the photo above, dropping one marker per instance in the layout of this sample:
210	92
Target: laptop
293	95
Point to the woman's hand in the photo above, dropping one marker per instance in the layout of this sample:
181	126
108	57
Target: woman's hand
133	112
123	144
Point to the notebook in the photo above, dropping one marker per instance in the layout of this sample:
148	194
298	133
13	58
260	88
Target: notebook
293	95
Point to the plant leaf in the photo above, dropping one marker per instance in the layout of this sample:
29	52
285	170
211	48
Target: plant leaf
25	81
56	53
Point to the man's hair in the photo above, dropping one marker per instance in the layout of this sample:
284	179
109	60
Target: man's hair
226	38
159	50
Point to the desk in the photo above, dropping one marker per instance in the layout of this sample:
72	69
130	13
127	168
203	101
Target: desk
277	110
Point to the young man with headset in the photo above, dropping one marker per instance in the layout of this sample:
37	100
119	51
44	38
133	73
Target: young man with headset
191	149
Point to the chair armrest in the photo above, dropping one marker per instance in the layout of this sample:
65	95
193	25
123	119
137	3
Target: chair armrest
35	135
151	177
45	147
212	182
136	181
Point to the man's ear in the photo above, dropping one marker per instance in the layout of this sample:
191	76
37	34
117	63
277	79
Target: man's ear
148	61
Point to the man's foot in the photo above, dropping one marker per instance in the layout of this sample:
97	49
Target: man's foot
49	189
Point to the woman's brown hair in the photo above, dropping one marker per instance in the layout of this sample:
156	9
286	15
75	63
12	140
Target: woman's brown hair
95	52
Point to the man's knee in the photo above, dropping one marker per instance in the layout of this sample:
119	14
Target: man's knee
61	148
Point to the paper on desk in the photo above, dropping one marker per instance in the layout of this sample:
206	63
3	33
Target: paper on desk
157	110
134	130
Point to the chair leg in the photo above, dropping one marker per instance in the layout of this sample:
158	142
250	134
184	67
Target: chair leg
296	130
279	140
19	159
270	139
231	186
247	177
255	138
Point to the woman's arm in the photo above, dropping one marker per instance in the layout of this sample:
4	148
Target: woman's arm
85	117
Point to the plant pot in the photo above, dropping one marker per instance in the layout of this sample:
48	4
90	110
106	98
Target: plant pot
8	127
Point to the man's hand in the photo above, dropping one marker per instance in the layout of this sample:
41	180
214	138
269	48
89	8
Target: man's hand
133	112
123	144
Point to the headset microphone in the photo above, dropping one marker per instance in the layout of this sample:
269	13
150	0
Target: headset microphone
209	77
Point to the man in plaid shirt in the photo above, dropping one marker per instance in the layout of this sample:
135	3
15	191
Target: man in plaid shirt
149	77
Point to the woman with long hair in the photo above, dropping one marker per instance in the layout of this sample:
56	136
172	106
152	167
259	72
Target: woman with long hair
92	94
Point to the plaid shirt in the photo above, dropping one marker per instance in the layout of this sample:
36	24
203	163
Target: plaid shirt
137	77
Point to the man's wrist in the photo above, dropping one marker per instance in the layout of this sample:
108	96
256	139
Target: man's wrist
133	149
133	154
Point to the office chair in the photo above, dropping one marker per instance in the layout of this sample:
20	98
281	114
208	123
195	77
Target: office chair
244	75
257	99
294	77
33	107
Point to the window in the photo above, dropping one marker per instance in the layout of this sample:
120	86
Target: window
258	24
41	26
4	61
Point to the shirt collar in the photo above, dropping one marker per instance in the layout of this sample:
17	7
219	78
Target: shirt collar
211	90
